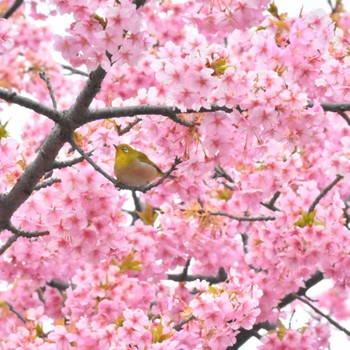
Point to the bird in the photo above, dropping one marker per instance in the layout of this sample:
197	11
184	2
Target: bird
134	168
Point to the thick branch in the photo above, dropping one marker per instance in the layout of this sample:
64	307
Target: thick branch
13	97
172	112
344	116
59	285
10	11
79	112
131	111
333	106
48	151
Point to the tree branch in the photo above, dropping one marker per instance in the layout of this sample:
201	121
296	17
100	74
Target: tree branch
327	317
70	162
244	334
181	277
333	106
344	116
27	234
131	111
12	239
91	162
179	325
271	204
129	127
43	76
324	192
13	97
46	183
11	10
59	285
48	151
172	112
220	172
74	70
13	310
242	218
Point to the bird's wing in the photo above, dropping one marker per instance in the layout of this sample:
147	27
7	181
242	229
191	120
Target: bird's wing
144	159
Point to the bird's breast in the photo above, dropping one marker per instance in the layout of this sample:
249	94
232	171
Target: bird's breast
136	174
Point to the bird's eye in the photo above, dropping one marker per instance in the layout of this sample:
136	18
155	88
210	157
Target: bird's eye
125	150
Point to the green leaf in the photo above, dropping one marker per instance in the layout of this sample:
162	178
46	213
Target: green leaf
130	264
307	219
3	132
157	334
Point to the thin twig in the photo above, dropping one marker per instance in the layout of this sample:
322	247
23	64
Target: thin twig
46	79
327	317
313	280
13	97
181	277
129	127
242	218
137	202
74	70
291	319
11	10
324	192
220	172
12	239
245	334
69	162
331	6
179	325
92	163
344	116
271	204
184	273
26	234
46	183
13	310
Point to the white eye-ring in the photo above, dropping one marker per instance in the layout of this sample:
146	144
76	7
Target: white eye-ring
125	150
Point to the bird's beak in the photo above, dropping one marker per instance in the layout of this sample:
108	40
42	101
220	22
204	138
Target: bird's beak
115	147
